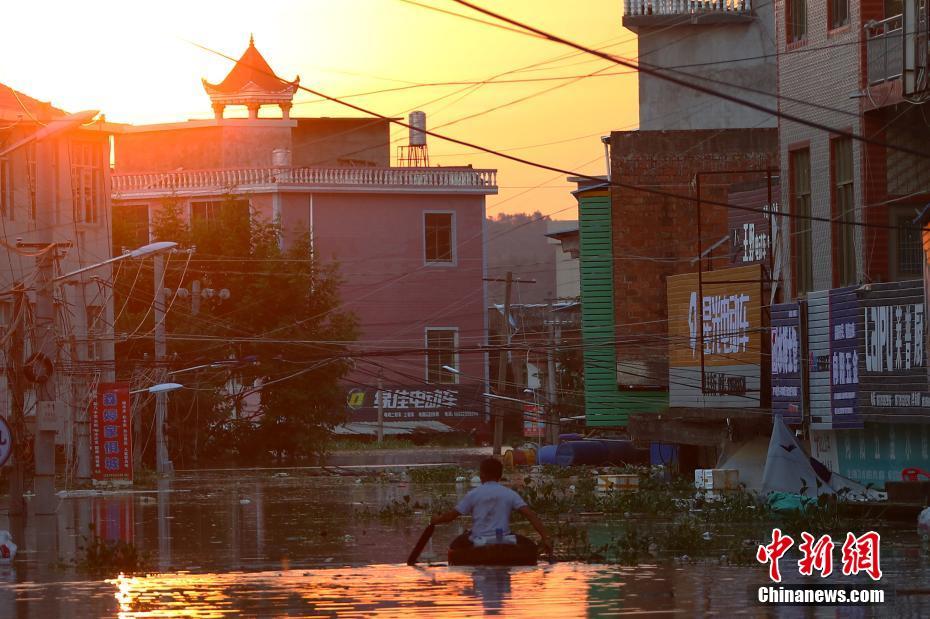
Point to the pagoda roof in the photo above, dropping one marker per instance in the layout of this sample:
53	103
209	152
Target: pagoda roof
252	78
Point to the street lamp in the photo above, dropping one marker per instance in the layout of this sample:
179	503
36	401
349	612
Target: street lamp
141	252
162	463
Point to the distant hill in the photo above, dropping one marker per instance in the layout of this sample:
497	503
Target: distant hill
518	243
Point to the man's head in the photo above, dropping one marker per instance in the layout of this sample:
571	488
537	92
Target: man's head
490	470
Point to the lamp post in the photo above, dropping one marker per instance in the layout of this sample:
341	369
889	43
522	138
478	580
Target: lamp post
161	390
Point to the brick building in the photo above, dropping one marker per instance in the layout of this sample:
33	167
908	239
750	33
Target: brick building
409	241
633	241
859	289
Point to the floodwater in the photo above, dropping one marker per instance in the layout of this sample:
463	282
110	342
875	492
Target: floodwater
265	543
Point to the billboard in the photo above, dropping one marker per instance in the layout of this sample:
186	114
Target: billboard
725	326
893	365
786	361
750	230
454	405
111	433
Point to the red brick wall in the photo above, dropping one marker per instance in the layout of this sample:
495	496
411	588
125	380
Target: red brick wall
656	236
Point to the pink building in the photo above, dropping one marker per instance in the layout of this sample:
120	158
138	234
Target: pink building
409	241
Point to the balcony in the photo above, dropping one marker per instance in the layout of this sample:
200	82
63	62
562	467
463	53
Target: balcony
670	12
334	180
884	50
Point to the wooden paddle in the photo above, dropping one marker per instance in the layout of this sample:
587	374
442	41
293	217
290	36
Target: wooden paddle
421	543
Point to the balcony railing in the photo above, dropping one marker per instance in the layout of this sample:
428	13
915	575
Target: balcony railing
685	7
884	50
387	179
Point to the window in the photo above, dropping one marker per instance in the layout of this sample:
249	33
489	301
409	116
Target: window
31	173
130	227
87	180
796	20
96	329
839	13
844	213
439	237
800	162
441	351
6	189
906	252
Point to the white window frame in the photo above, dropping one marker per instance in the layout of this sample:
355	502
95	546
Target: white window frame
454	239
455	353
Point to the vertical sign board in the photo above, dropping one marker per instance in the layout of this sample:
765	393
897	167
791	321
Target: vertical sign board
844	357
110	433
750	230
728	320
894	368
786	361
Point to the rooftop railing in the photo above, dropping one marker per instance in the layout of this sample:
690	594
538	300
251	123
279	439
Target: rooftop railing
684	7
348	178
884	49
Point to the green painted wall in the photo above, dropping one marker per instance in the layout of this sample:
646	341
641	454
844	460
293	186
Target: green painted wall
605	405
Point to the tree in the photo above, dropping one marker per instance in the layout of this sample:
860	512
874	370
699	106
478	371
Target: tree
274	350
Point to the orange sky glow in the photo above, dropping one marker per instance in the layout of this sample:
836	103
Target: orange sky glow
134	62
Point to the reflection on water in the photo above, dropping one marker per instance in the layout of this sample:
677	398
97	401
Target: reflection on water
252	543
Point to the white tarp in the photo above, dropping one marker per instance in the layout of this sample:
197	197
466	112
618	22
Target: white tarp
788	468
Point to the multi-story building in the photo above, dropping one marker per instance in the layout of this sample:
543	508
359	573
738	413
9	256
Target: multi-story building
408	241
55	190
856	281
636	233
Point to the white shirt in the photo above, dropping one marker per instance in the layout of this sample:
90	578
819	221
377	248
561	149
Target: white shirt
489	505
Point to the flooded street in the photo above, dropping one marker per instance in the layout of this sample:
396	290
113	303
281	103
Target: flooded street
266	543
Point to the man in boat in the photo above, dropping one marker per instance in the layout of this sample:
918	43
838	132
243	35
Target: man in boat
489	506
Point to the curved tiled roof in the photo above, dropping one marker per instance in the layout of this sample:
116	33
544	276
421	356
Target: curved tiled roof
252	74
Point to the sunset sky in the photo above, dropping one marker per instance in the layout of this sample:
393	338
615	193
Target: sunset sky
134	61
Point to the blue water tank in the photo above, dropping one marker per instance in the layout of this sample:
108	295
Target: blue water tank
574	453
620	452
546	454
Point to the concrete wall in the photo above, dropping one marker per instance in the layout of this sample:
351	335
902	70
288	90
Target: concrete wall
827	77
341	141
663	105
378	243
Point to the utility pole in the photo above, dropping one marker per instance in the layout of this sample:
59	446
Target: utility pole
380	408
552	419
502	366
45	343
163	464
17	396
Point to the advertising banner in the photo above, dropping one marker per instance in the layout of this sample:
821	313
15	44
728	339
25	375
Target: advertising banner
893	368
844	358
724	324
786	362
111	433
533	425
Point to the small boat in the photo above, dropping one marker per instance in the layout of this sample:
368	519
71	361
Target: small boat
524	552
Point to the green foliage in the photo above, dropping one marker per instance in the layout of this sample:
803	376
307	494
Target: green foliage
279	407
437	474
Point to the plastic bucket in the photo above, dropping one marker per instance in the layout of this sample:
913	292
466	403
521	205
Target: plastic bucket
547	454
575	453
